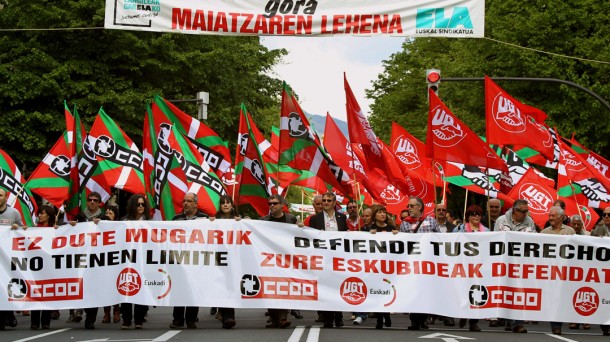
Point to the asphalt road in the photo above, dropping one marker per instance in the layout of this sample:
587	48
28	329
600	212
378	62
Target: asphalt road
251	327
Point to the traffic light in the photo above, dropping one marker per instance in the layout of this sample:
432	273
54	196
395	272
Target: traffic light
433	77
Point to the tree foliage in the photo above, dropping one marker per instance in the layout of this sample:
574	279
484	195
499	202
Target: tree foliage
567	27
119	70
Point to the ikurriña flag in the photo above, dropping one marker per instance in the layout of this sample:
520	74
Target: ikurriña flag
119	160
509	122
253	184
302	149
451	140
18	197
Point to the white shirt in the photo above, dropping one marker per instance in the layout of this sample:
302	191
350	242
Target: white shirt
330	222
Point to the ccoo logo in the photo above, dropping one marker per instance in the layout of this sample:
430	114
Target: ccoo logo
585	301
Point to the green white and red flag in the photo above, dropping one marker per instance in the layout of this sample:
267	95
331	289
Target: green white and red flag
51	178
588	215
210	145
476	179
173	167
576	177
301	149
449	139
598	162
510	123
119	161
253	183
18	197
534	157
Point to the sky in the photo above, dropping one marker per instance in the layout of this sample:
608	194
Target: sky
314	68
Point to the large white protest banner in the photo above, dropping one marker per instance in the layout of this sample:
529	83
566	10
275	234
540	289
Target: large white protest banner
413	18
259	264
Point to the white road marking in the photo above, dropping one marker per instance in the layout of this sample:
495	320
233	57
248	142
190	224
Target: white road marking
296	334
561	338
167	336
42	335
314	334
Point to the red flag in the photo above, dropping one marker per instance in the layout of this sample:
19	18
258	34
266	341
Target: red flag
540	197
598	162
301	148
508	122
450	139
588	215
360	132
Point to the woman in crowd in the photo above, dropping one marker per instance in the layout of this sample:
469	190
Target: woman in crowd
46	218
227	211
473	224
137	209
381	222
112	213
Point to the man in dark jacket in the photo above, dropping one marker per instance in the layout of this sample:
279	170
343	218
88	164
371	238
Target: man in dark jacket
187	314
330	220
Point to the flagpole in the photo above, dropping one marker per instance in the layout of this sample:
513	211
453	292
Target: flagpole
302	202
575	200
465	203
434	183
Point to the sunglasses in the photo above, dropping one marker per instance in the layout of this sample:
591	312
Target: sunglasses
524	211
606	214
273	203
413	205
94	200
140	204
327	200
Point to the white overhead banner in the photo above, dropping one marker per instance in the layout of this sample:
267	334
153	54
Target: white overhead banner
259	264
412	18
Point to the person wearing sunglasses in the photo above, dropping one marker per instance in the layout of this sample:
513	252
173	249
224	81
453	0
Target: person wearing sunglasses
278	317
602	227
440	212
516	219
354	223
330	220
187	314
93	213
137	209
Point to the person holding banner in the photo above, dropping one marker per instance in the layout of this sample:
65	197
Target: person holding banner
416	223
8	217
112	213
317	208
602	227
382	223
187	314
93	213
46	218
367	222
330	220
227	211
517	220
137	209
278	317
473	224
354	222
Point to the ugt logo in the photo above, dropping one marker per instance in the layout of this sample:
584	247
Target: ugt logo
435	18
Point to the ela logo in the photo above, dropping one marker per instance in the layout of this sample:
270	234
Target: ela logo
435	18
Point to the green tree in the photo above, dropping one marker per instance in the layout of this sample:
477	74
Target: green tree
119	70
571	28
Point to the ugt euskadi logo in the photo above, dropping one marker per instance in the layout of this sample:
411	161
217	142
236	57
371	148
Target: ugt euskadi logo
259	287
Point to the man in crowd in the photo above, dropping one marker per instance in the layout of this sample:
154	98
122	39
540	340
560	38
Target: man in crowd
354	223
556	227
578	225
440	213
601	228
416	223
317	208
278	317
9	217
188	314
493	212
93	213
330	220
516	219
